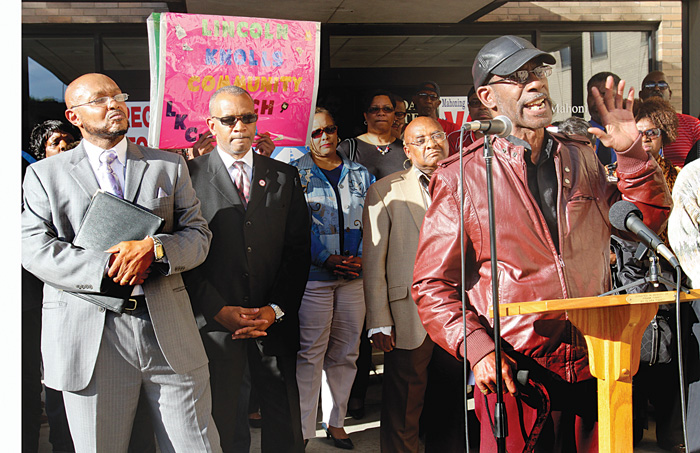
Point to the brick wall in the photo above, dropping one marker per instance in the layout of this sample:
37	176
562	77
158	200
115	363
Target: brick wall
667	12
89	13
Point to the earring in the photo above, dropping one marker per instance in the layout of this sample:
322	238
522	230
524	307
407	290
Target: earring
365	122
410	164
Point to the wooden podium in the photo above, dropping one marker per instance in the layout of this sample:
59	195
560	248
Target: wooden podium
613	327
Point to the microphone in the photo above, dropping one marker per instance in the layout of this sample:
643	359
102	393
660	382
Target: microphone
625	216
500	126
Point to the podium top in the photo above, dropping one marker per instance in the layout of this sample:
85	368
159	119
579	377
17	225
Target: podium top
540	306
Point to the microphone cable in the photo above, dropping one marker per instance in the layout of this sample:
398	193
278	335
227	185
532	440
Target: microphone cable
681	373
463	278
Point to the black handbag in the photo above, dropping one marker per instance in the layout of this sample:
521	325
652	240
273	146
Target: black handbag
657	342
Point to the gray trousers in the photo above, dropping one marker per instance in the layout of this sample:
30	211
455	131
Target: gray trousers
101	415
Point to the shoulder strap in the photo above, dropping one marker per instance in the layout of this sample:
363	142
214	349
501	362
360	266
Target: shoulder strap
353	149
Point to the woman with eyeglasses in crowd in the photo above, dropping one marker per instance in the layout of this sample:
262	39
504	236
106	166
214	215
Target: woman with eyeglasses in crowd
377	149
657	379
332	311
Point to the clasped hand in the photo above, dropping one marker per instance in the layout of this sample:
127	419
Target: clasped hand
131	261
246	322
345	266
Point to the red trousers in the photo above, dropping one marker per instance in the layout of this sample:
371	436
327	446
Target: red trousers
568	419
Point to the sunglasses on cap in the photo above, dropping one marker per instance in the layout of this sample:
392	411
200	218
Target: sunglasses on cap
248	118
332	129
523	75
654	85
375	109
651	133
431	96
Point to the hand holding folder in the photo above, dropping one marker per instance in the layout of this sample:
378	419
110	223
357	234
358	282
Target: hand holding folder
108	221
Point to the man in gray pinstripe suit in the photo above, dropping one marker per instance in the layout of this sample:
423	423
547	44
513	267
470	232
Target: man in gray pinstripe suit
102	359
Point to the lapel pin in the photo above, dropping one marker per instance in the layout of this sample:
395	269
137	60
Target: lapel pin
262	183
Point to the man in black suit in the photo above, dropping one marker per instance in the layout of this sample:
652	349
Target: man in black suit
246	294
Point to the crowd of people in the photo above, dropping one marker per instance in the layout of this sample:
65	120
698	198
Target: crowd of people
272	282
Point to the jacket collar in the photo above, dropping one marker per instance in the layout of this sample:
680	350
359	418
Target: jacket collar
306	162
221	180
82	172
413	196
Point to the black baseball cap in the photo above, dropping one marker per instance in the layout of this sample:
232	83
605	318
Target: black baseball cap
428	85
503	56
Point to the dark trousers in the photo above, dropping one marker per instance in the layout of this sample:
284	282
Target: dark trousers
241	436
423	380
364	367
31	379
275	379
658	384
570	427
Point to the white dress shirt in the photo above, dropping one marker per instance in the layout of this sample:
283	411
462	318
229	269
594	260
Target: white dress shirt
233	169
119	167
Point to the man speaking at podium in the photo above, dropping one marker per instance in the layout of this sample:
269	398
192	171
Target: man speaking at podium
551	208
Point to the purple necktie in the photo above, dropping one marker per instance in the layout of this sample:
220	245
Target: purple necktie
108	179
242	181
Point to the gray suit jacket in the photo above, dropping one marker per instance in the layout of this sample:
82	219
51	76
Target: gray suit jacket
57	192
392	218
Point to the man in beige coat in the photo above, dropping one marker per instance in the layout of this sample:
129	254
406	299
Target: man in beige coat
393	214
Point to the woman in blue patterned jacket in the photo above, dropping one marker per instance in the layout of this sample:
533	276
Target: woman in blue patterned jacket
332	310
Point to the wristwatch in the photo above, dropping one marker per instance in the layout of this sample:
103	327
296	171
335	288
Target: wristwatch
158	250
279	313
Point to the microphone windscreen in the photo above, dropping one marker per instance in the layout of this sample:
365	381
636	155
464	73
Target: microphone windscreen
619	213
507	123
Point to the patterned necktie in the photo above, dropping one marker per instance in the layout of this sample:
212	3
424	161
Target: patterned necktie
242	181
108	179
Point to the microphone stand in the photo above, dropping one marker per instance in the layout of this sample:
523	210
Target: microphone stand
654	277
463	275
500	424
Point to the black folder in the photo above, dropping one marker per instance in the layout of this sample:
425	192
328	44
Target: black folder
108	221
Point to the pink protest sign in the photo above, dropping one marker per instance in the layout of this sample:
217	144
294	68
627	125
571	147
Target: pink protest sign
192	55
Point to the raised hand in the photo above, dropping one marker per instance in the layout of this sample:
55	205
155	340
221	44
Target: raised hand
616	116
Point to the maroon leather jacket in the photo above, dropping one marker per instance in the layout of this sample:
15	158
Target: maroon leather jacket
529	266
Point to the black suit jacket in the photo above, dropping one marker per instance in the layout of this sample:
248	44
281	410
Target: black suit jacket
258	255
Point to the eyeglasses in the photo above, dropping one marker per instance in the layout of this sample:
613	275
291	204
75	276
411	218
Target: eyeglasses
229	121
432	97
332	129
651	133
654	85
523	75
474	102
104	100
400	115
436	137
375	109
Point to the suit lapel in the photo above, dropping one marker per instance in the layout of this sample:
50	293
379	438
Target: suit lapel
412	193
258	183
82	172
136	165
221	180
